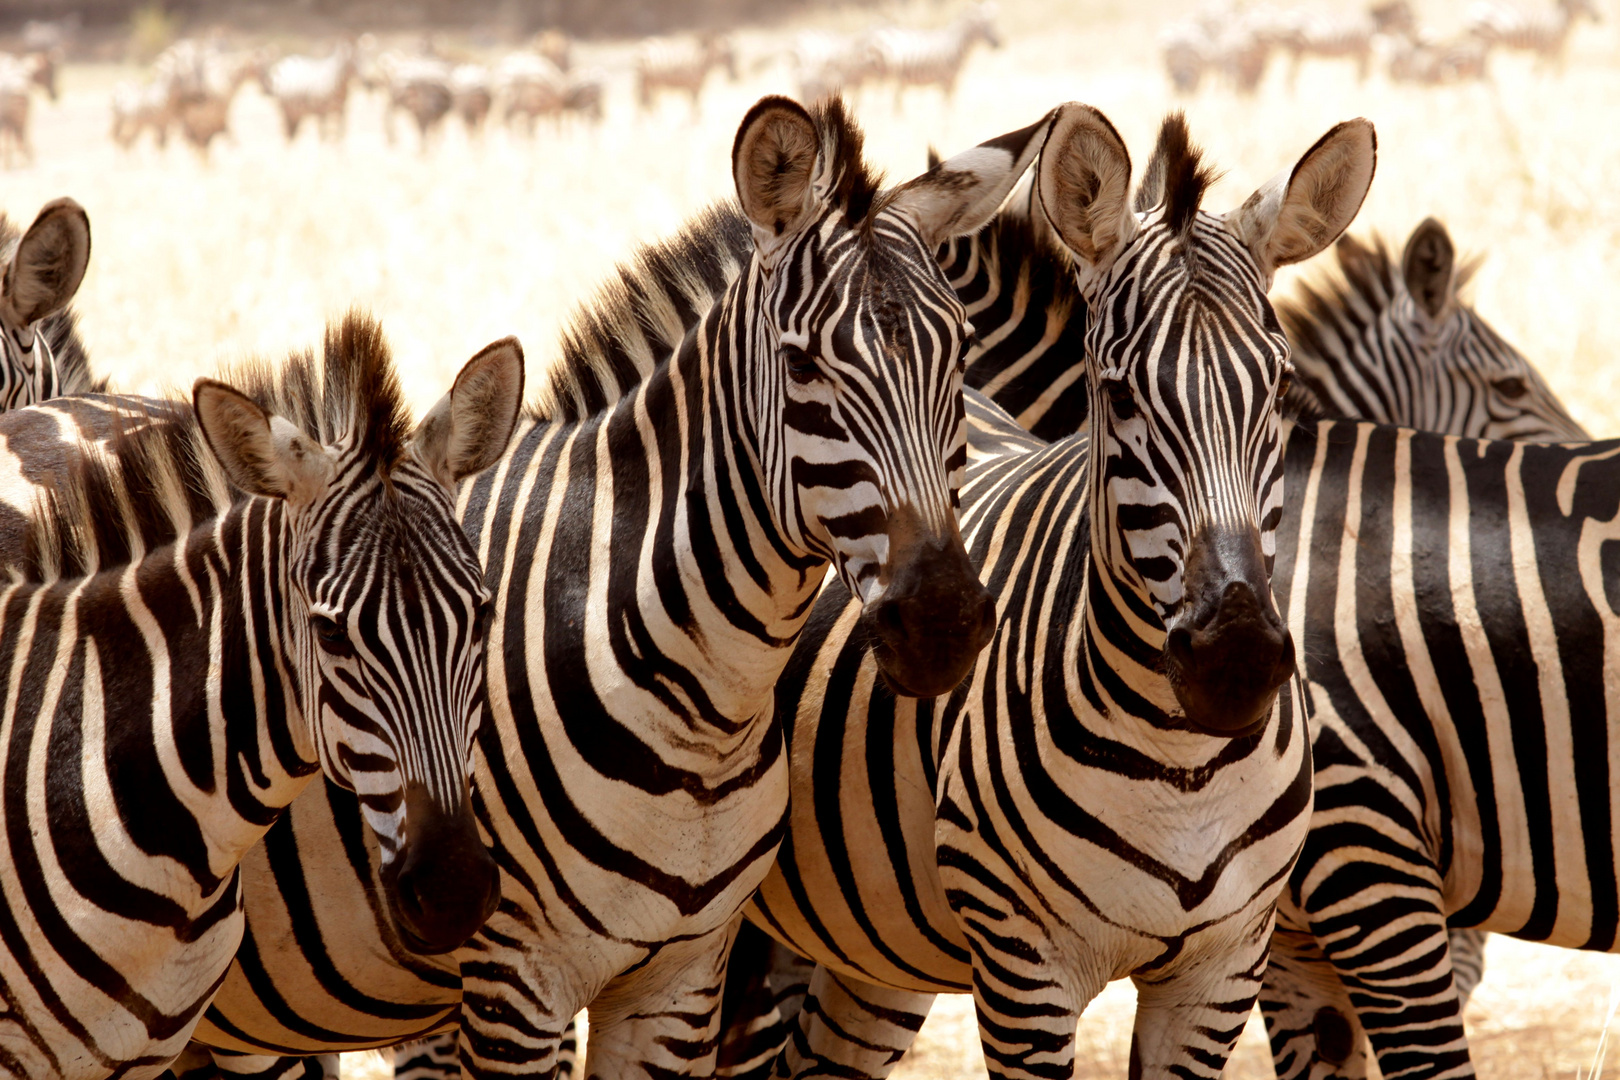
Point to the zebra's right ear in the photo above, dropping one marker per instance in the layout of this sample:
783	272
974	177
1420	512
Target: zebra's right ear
467	430
1083	183
261	454
1428	265
774	162
48	265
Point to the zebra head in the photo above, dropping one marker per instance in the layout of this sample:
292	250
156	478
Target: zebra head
1468	379
1186	362
857	344
387	607
45	267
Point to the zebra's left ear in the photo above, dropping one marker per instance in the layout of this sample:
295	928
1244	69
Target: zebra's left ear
467	430
960	195
48	265
1300	212
261	454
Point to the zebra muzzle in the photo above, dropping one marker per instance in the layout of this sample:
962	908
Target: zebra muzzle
444	884
1228	651
932	618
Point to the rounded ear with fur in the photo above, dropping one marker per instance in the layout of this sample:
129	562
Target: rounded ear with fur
467	430
48	266
958	196
774	164
1083	184
1429	265
1300	212
261	454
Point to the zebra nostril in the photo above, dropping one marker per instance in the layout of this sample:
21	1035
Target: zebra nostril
1334	1038
891	620
1178	647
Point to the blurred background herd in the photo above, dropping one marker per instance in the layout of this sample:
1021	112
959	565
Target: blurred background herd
195	60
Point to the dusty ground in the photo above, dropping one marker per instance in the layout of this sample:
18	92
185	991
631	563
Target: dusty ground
198	262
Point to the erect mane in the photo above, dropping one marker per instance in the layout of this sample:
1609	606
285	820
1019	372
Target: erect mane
855	184
1176	175
640	315
615	340
156	479
60	330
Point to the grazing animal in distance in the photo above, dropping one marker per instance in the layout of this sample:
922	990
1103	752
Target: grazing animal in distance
19	77
934	57
531	86
681	65
1499	24
307	87
471	96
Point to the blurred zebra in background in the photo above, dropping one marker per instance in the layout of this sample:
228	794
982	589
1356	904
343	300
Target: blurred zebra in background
1545	33
918	58
681	65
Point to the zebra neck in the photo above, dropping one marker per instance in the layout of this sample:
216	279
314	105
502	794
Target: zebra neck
194	731
1119	648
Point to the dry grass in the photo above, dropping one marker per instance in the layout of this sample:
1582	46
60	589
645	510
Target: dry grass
197	263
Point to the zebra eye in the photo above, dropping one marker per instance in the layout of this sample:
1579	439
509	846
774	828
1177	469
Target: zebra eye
1284	384
1120	397
333	638
1512	386
802	367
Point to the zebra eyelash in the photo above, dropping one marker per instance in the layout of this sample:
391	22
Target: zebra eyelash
331	635
801	366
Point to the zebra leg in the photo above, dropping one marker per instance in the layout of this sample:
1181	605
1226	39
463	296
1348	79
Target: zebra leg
849	1028
1310	1021
662	1019
432	1058
1187	1024
199	1062
1467	962
1397	983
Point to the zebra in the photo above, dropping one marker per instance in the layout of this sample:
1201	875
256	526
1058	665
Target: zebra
680	64
1393	343
1349	36
934	57
41	354
306	86
1545	33
470	92
330	619
812	417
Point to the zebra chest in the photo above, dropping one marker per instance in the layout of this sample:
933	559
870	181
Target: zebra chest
1114	825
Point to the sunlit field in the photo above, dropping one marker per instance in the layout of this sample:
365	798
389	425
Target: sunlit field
201	262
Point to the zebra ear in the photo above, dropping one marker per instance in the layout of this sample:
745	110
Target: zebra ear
48	265
1428	265
958	196
261	454
1083	184
1300	212
467	430
773	162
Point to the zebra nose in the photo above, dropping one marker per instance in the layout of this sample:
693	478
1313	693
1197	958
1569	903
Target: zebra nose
446	884
932	619
1227	665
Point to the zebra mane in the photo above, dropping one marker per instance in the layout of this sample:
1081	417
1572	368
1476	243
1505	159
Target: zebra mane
60	330
1338	307
156	479
1176	175
855	184
353	393
153	481
643	311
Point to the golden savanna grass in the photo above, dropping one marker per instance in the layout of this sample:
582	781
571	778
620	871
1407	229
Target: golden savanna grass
198	262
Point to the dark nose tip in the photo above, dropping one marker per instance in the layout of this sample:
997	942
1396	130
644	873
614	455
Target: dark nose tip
447	884
930	624
1228	660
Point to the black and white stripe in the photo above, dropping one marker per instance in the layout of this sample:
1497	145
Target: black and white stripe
1080	810
167	702
654	544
